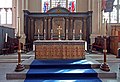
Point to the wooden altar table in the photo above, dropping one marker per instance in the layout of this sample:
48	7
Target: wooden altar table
59	49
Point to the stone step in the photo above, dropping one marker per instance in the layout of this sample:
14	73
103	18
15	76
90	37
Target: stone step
61	64
100	74
64	66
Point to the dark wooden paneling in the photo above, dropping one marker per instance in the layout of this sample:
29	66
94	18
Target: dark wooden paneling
3	31
69	24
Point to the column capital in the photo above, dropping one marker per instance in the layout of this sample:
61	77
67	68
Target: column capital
1	9
6	9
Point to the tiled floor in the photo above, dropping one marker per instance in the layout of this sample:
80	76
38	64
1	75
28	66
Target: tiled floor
9	62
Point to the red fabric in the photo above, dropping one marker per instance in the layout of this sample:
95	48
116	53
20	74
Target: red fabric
47	6
103	4
73	6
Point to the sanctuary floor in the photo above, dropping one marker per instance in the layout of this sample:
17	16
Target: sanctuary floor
9	62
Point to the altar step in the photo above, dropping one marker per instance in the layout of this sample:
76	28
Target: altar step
74	80
63	66
61	70
60	74
62	63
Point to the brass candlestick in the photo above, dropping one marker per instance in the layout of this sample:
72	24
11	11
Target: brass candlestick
104	66
59	33
19	67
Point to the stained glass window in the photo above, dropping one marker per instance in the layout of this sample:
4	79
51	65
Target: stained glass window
45	5
69	4
114	16
72	5
56	3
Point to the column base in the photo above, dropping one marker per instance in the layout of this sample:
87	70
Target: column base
19	68
104	67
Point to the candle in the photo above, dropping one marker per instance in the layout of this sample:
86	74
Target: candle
80	31
104	27
73	30
18	26
80	34
38	31
6	37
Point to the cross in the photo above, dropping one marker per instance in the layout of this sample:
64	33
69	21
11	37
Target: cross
59	29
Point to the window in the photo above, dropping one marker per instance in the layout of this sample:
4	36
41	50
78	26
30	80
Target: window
5	11
61	3
69	4
114	16
72	5
45	5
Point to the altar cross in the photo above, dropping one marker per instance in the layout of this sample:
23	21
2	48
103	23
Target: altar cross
59	29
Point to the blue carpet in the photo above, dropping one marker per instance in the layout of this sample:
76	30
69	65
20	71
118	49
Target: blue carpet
76	80
61	71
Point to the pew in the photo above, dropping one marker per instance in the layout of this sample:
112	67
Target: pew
98	45
11	45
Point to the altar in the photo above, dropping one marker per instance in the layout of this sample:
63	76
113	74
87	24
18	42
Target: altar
59	49
57	23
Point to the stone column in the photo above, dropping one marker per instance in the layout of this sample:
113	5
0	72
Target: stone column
26	5
89	5
77	5
67	4
100	4
94	27
99	17
23	37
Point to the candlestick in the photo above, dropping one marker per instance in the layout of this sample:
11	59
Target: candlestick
19	66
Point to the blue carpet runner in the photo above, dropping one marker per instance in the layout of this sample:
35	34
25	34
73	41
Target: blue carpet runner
69	70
